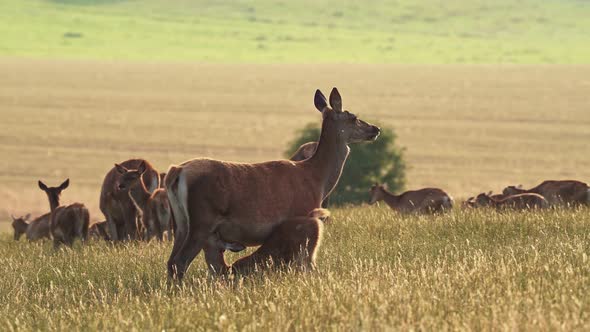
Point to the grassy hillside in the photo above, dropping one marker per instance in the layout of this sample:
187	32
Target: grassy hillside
307	31
468	271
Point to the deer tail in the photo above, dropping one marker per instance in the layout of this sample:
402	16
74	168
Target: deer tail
177	191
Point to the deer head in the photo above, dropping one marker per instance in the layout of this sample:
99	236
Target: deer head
129	177
347	126
53	193
376	193
483	199
20	225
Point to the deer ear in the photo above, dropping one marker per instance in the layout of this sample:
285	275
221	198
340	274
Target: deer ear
384	185
121	169
490	193
42	185
12	216
27	217
65	184
319	100
142	167
336	100
519	186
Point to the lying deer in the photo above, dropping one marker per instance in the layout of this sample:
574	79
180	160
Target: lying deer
427	200
563	192
98	230
68	222
517	202
34	230
116	205
252	203
154	208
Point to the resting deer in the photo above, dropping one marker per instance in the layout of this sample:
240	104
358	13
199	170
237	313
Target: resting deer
248	203
566	192
154	208
118	209
427	200
517	202
67	222
98	230
34	230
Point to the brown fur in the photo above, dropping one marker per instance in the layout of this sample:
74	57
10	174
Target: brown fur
247	203
154	208
517	202
34	230
563	192
118	209
427	200
67	222
296	241
98	230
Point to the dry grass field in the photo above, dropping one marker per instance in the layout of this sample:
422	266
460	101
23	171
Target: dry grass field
466	128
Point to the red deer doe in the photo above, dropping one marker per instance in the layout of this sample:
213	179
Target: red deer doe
517	202
98	230
67	222
116	205
252	203
154	208
563	192
34	230
427	200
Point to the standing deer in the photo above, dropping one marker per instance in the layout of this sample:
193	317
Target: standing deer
517	202
37	229
67	222
563	192
116	205
252	203
154	208
427	200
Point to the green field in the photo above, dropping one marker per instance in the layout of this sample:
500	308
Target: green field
307	31
476	270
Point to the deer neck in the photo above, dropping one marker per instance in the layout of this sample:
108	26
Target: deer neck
329	158
53	201
390	199
139	195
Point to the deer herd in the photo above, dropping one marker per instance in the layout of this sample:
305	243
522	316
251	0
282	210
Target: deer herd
213	206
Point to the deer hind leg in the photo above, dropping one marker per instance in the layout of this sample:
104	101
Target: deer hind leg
295	242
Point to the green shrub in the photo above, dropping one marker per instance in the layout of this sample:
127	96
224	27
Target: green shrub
380	161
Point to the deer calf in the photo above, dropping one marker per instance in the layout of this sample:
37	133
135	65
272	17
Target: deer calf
98	230
427	200
154	208
34	230
563	192
517	202
67	222
295	241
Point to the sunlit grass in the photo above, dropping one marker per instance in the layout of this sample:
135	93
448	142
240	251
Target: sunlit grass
376	270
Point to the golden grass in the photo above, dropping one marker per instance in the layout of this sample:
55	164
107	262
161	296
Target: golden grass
467	270
466	128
